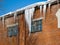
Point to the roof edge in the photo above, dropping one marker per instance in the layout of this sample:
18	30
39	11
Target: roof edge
29	6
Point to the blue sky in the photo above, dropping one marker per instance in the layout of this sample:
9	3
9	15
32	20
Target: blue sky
11	5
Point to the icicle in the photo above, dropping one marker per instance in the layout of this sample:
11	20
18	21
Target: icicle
15	14
49	7
58	17
28	16
44	11
3	21
40	11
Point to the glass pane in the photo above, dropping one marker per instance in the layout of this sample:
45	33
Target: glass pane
37	26
12	31
15	30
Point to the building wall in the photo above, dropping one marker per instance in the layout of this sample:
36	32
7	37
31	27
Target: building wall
50	34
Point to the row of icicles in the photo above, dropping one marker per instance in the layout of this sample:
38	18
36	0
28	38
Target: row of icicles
29	15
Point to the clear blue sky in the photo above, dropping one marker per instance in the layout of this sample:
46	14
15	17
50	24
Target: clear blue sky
11	5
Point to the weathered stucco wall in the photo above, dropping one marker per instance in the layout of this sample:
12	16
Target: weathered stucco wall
50	34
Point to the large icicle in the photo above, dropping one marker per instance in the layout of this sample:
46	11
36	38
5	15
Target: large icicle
44	11
58	17
15	14
28	16
40	11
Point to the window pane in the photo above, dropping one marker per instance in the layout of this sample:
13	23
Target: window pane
12	31
37	26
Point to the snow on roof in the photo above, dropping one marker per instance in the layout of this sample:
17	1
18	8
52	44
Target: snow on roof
29	6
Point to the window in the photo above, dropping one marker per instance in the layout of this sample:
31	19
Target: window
12	30
36	26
